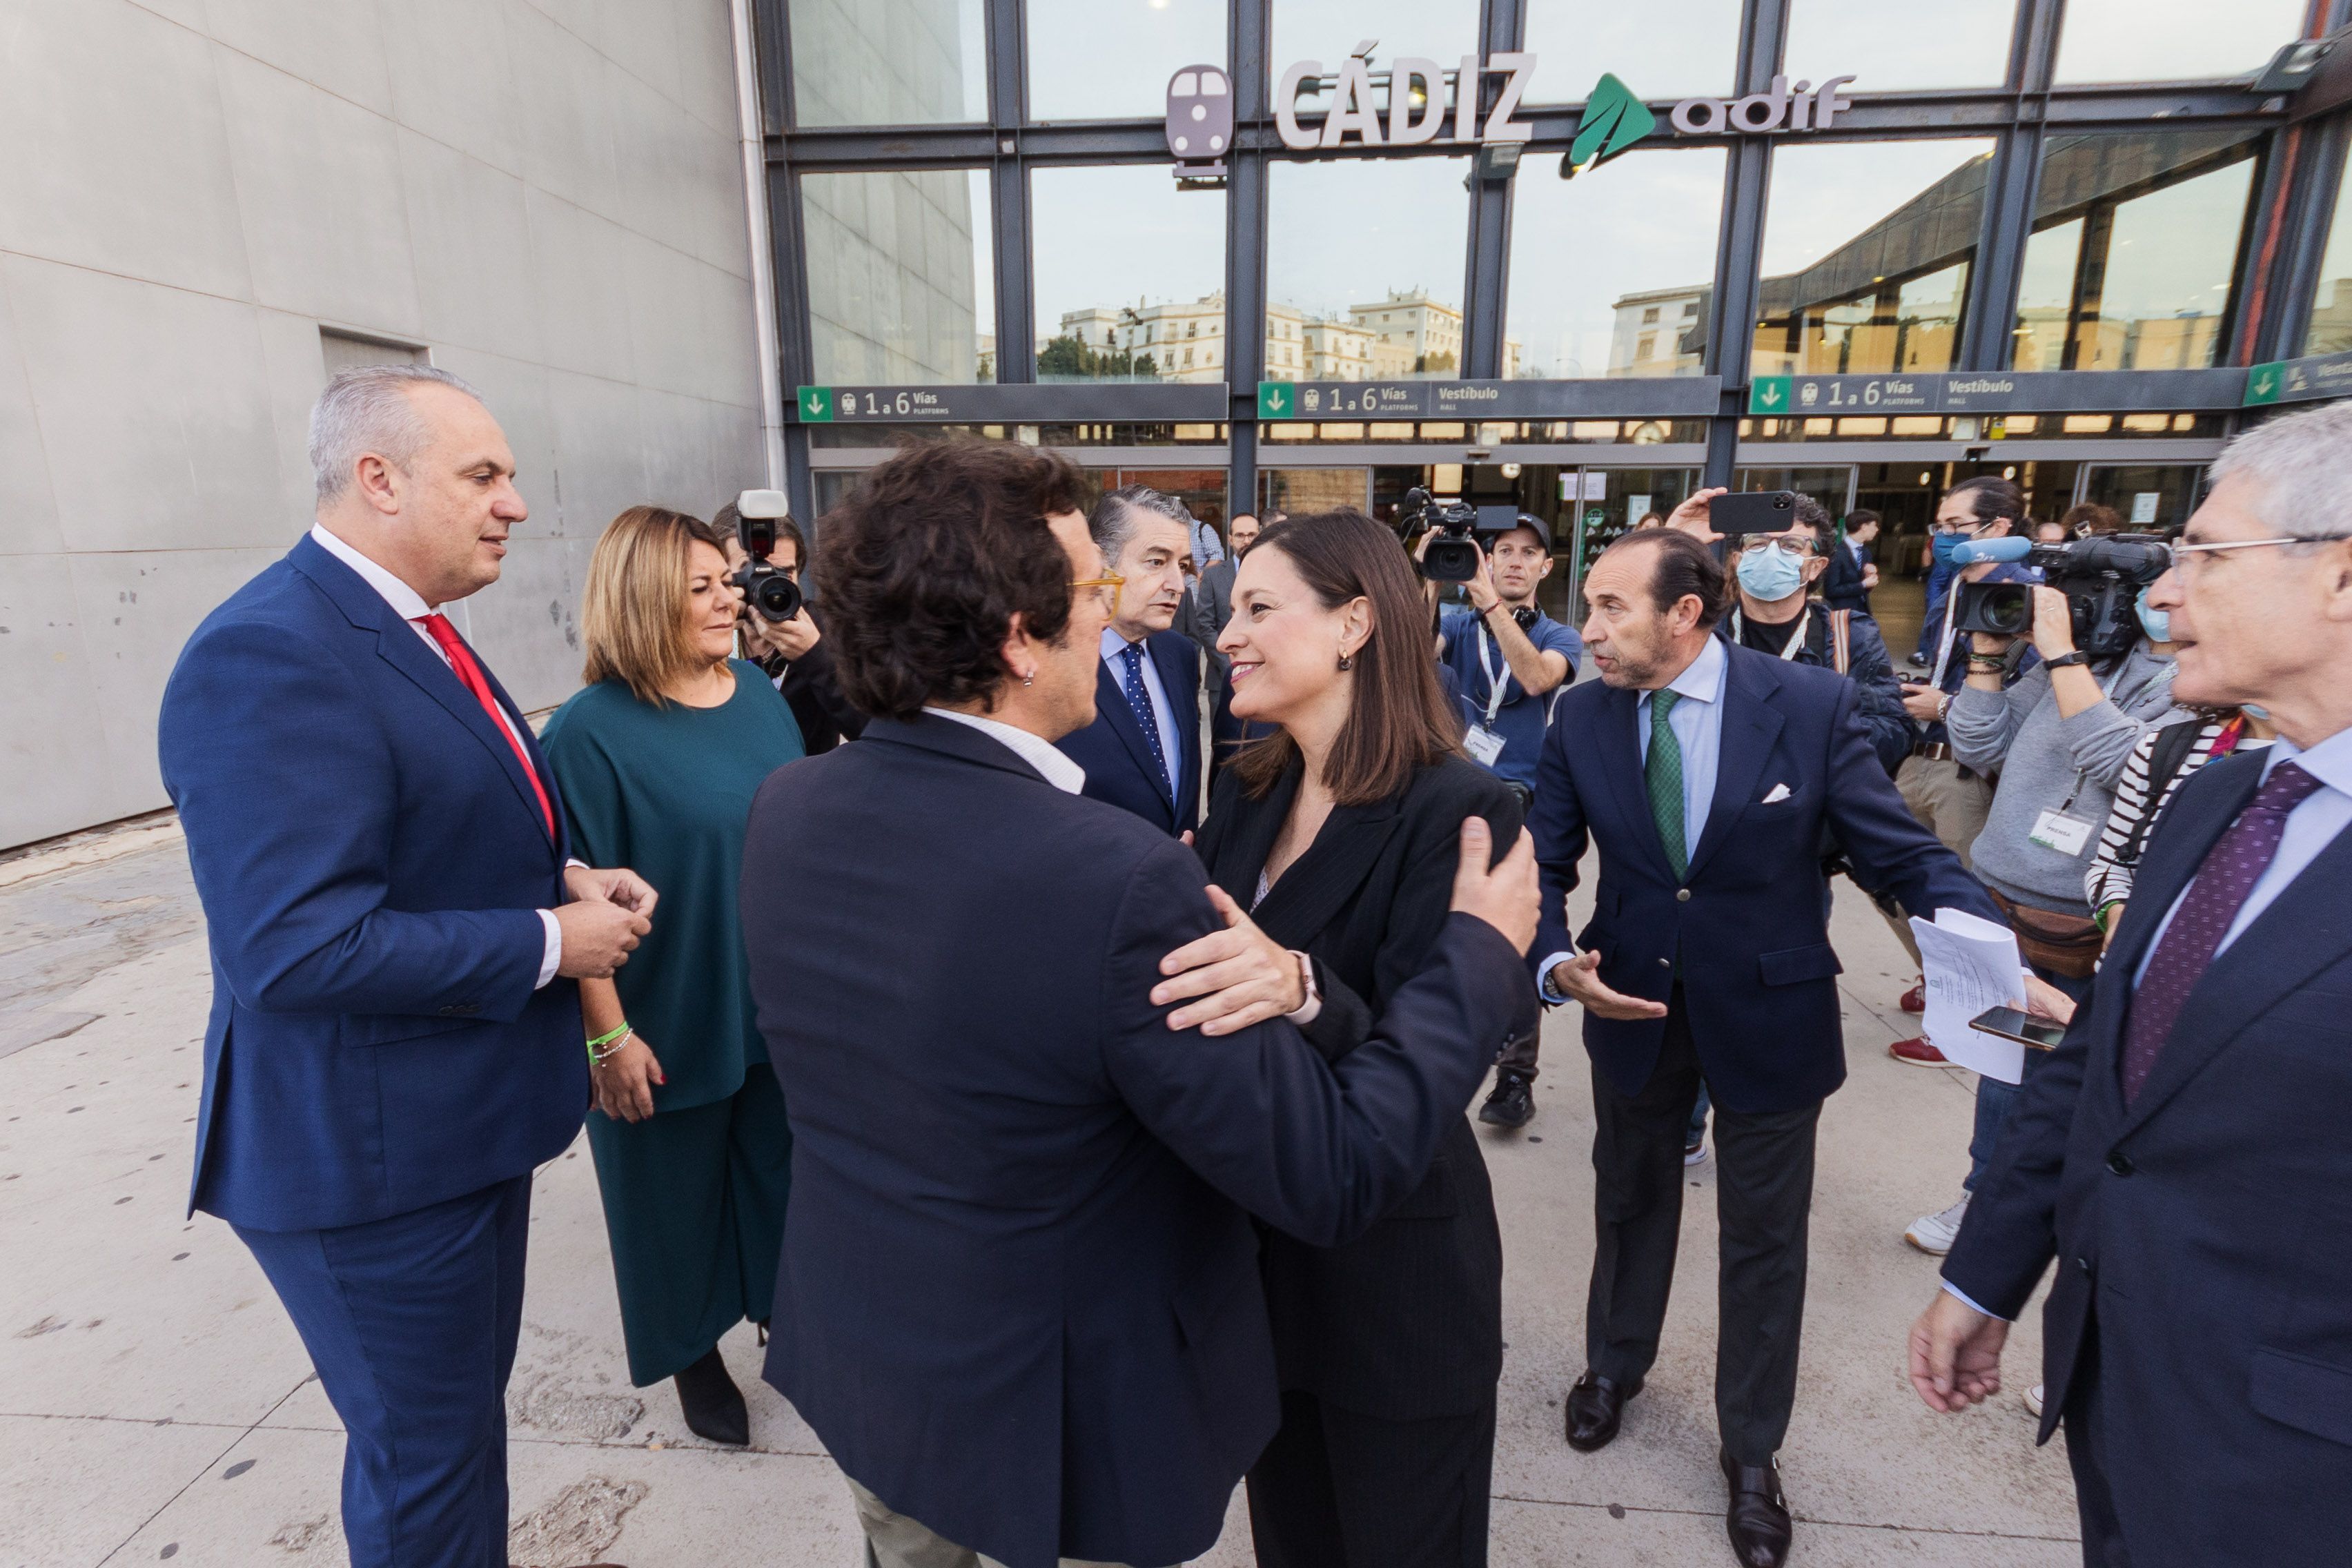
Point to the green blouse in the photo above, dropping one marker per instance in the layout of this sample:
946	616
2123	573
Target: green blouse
667	791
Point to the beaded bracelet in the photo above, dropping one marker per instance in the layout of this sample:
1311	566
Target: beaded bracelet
603	1046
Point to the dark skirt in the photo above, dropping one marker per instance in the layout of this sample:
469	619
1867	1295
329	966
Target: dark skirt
694	1205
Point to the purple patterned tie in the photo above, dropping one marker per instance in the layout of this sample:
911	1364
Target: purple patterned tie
2232	866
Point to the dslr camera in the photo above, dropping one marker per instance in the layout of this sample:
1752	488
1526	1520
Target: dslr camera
1464	532
765	587
2101	577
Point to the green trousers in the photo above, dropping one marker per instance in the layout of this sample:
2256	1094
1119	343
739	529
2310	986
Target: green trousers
694	1205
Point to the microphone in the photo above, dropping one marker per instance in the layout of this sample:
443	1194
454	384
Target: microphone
1976	552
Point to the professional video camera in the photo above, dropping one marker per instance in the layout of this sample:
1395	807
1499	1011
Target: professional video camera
765	587
1464	532
2101	576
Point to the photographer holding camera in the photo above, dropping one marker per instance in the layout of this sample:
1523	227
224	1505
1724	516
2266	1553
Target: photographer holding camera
2059	736
1507	657
789	649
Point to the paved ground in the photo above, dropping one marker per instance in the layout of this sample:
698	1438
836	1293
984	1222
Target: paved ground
155	1405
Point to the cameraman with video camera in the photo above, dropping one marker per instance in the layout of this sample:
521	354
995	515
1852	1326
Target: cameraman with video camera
1506	658
2059	735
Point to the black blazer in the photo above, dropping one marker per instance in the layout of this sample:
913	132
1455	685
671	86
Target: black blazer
1841	584
1405	1323
2207	1226
1118	759
1019	1295
1749	922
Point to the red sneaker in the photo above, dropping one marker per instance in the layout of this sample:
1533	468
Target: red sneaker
1916	999
1919	1053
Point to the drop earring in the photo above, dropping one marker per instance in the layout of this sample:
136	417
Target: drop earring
1347	662
1030	678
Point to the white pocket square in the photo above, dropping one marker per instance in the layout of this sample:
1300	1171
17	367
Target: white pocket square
1779	793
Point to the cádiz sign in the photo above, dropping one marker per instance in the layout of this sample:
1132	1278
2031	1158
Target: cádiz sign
1416	112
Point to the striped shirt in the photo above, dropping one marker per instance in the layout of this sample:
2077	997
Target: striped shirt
2121	844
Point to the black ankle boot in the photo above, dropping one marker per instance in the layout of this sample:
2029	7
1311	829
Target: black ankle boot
713	1405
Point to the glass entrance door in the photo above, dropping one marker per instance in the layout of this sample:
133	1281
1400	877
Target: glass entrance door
2150	498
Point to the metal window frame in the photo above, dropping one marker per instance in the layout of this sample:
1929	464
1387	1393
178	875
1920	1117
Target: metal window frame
2283	241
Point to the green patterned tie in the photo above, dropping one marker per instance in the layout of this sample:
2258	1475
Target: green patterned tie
1663	771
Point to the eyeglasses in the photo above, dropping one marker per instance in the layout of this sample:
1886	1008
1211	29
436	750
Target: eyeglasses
1756	544
2188	556
1106	589
1968	526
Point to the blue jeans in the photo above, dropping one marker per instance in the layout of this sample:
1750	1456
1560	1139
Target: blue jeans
1997	1102
1697	1128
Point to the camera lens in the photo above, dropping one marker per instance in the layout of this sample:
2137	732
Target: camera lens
2009	612
1451	561
776	596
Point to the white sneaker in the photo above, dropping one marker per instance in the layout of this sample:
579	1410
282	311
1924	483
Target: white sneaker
2033	1400
1695	1153
1933	1233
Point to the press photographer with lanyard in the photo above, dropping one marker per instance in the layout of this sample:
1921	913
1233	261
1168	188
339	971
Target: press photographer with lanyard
1507	658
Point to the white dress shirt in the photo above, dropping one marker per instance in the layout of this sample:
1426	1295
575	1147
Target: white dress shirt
1697	725
2311	827
410	606
1036	750
1164	711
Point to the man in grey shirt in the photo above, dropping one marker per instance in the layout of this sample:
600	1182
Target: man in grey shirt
1213	603
2058	737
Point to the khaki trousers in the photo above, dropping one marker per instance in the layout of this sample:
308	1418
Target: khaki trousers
1950	803
894	1540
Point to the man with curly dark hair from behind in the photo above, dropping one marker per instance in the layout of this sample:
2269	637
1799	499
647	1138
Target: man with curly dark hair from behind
1019	1299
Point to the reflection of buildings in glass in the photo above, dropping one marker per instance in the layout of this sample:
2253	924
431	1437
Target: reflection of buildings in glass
2331	319
1407	333
1660	331
893	284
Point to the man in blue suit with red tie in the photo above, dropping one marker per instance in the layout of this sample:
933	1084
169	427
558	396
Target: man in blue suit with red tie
1710	777
2182	1154
1143	752
395	926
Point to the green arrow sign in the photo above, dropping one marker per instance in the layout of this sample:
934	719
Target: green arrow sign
2263	384
1275	400
816	405
1768	394
1613	120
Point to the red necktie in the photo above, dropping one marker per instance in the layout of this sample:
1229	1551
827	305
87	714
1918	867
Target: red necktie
461	660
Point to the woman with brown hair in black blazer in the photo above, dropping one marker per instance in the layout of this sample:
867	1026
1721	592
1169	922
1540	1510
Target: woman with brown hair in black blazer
1339	833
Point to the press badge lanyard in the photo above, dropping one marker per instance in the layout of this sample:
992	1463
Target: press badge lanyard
1484	745
1796	638
2060	830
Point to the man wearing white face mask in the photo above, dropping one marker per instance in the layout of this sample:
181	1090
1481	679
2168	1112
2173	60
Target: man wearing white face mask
1778	615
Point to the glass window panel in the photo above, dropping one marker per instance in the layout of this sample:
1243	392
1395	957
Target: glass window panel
2173	40
901	291
1364	267
1613	272
889	62
1325	30
1867	252
1967	44
2330	330
1110	59
1668	49
1130	276
2132	263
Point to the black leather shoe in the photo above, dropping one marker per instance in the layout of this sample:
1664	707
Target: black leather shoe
713	1405
1512	1103
1595	1405
1758	1519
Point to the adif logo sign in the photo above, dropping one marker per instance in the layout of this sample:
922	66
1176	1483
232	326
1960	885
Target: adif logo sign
1802	108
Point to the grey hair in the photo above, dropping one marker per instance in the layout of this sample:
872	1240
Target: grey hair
2298	464
368	410
1117	516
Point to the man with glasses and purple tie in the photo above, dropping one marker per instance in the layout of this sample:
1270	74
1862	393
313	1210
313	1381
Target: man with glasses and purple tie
2183	1155
1143	752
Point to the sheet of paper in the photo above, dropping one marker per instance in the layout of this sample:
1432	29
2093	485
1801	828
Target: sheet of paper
1970	965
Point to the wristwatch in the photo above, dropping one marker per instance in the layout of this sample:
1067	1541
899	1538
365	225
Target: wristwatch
2072	657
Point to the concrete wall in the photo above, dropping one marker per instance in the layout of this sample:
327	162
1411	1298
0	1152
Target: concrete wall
546	194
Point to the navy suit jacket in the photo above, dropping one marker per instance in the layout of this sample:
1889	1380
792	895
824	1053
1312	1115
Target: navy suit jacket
370	857
1749	923
1118	759
2206	1228
1019	1296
